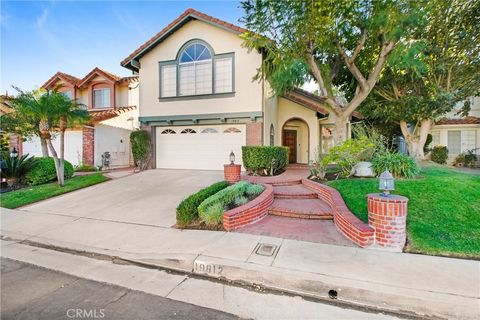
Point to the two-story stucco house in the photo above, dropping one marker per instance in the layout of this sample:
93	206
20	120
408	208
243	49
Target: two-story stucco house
112	103
199	101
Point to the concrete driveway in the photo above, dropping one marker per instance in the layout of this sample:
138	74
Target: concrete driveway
148	198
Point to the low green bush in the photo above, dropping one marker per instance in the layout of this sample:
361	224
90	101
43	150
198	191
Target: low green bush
223	197
240	201
16	167
187	210
214	214
439	154
466	159
43	171
254	190
84	168
400	165
266	160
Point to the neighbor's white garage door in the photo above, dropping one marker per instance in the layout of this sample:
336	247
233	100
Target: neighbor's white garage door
198	147
73	146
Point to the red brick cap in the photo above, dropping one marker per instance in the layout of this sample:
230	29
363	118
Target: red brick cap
189	13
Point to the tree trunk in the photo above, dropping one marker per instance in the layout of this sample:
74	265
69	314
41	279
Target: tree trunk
43	142
340	132
60	178
416	140
61	172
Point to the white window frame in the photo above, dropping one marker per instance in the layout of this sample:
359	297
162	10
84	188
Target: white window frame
109	98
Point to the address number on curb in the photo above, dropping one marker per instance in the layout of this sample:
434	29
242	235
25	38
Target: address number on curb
208	268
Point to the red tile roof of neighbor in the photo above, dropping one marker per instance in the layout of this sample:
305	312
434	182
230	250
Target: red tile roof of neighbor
101	115
184	17
80	82
465	120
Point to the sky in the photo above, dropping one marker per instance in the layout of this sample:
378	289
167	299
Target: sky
39	38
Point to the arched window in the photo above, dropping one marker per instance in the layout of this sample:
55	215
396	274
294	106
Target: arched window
188	130
168	131
197	70
232	130
209	130
272	135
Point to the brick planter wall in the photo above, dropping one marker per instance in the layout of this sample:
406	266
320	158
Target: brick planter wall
249	213
388	216
345	221
231	172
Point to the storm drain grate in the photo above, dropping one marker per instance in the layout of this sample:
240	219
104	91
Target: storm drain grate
265	249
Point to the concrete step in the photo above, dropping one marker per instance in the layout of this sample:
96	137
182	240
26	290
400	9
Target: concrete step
296	191
301	208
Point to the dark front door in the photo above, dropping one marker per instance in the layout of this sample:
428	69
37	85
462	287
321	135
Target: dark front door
290	140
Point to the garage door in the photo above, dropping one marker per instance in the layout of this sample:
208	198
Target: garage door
73	146
198	147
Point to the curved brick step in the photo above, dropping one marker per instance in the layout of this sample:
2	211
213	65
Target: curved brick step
283	183
301	208
294	192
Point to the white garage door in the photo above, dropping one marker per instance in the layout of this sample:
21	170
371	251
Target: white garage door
73	146
198	147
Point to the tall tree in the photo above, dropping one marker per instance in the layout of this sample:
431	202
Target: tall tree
52	112
432	73
337	43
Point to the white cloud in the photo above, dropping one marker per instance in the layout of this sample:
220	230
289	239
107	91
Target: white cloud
41	19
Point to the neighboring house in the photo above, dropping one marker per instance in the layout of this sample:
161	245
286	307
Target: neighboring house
112	103
459	134
199	101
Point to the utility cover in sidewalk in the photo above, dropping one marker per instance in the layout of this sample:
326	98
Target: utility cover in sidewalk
265	249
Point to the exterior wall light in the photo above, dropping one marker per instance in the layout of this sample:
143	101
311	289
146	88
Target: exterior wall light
14	153
386	183
232	157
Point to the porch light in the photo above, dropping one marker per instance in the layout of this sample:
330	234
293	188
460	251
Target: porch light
386	183
232	157
14	153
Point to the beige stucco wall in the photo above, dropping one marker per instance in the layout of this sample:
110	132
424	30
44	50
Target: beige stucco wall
114	140
248	94
288	110
270	117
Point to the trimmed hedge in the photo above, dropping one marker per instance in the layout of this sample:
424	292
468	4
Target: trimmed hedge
439	154
187	210
208	209
258	159
43	171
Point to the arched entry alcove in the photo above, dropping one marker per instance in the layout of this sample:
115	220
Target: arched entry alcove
296	136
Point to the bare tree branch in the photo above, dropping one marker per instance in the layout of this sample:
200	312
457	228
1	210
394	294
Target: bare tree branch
360	45
386	48
362	82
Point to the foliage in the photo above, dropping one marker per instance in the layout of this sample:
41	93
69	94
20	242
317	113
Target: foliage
223	197
213	215
140	142
28	195
443	209
43	171
440	154
318	168
84	168
4	143
17	167
400	165
266	160
342	45
240	201
254	190
187	210
466	159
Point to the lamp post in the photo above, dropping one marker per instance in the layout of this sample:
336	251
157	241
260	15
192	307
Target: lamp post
386	183
14	153
232	157
232	171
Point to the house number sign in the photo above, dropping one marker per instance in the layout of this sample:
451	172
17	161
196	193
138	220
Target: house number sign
208	268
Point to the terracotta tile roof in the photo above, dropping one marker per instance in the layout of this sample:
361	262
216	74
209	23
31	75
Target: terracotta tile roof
97	71
101	115
61	75
466	120
306	99
188	14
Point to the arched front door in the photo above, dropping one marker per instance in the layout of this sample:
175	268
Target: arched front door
296	136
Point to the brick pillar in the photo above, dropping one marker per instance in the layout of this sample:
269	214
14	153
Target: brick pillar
232	173
88	149
388	216
15	141
254	133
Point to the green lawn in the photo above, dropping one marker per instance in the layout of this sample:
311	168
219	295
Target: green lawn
29	195
443	209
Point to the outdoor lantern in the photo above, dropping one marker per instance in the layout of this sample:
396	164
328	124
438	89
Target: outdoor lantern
387	183
14	153
232	157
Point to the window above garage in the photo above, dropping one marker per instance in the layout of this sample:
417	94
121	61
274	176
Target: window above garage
196	72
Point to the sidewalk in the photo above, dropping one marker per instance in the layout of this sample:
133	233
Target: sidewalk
405	283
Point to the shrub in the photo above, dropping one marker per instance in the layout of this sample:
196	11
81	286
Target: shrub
240	201
17	167
440	154
222	198
85	168
214	214
400	165
43	171
140	144
254	190
187	210
466	158
258	159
